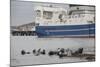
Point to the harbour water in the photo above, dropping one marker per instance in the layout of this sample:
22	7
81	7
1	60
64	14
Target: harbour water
28	43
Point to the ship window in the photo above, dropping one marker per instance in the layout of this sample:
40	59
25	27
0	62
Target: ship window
77	8
90	21
47	14
38	13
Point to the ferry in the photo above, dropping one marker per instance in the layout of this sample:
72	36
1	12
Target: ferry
77	21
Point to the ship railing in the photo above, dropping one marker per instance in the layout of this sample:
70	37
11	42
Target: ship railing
78	16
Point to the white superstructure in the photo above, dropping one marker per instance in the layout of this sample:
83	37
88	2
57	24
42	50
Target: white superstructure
76	15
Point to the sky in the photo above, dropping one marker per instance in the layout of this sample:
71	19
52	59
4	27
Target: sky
22	12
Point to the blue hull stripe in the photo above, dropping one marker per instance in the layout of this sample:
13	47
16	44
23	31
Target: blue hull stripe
68	30
82	32
70	36
72	32
43	31
65	27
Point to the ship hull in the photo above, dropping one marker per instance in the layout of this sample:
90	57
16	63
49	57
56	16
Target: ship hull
70	31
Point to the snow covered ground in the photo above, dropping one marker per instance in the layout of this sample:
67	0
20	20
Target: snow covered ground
28	43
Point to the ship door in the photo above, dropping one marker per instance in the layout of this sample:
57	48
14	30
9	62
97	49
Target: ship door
60	17
38	13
